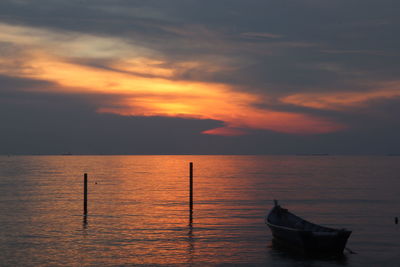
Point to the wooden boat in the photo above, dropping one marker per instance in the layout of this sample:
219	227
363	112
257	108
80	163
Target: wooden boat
308	238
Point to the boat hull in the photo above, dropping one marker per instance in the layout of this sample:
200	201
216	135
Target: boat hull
308	242
295	233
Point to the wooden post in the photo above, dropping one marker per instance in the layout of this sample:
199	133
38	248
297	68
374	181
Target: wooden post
396	220
191	186
85	179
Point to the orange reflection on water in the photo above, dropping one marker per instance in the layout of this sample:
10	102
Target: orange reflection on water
139	213
139	208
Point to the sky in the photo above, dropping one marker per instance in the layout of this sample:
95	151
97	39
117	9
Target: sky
199	77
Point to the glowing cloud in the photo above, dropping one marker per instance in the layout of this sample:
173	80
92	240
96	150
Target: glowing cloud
343	100
145	86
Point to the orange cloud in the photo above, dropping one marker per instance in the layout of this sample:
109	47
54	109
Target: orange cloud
343	100
147	86
225	131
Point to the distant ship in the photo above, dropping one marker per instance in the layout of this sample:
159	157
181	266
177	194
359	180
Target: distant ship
67	154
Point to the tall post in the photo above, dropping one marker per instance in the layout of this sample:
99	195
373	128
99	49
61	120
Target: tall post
85	179
191	186
190	232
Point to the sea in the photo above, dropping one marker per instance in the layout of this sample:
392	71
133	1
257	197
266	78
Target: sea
138	209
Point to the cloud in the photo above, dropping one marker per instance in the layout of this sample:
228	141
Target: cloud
260	35
344	100
296	67
43	123
146	86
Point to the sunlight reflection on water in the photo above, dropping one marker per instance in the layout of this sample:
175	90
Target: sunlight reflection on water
138	208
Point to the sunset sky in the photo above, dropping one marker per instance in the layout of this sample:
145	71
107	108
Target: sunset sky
199	77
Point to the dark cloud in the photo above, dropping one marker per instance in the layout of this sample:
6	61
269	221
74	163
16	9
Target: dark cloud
40	123
54	124
272	47
14	84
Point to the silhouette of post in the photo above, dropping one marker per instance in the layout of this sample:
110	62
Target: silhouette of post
396	220
85	179
191	187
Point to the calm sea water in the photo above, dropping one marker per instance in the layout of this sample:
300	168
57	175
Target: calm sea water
138	209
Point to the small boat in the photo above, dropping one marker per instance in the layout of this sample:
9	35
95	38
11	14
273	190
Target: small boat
295	233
